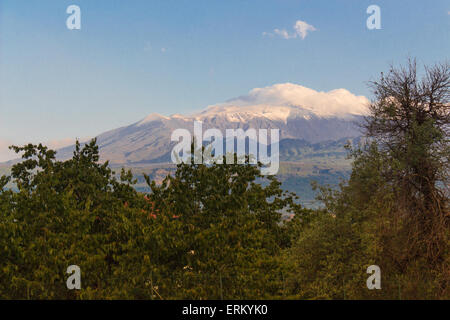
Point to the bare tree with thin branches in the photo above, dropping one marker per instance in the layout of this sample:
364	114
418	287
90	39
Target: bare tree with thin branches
410	121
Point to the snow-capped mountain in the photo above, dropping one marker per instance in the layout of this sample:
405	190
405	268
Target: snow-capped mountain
300	113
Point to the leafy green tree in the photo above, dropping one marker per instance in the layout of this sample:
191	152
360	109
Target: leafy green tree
224	227
393	212
64	213
210	231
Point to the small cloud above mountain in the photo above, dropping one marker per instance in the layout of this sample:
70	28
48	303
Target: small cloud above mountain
300	30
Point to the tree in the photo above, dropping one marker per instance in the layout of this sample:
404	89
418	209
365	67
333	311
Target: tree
64	213
223	223
393	211
410	120
210	231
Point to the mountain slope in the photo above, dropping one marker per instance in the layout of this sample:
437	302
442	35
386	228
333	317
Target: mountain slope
300	113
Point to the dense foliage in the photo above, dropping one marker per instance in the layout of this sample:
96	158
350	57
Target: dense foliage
215	231
394	210
206	232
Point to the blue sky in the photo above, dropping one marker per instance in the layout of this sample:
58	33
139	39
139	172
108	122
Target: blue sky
132	58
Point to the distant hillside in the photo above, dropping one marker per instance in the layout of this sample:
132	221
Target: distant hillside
310	123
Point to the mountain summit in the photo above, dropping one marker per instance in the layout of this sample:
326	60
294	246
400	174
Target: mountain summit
300	113
280	102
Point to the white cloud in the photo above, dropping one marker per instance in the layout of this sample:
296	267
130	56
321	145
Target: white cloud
301	29
338	102
282	33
